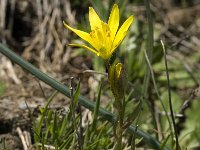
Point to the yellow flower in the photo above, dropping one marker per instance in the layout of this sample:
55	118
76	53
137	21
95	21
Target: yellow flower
104	37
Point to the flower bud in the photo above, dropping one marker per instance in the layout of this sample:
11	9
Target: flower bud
117	79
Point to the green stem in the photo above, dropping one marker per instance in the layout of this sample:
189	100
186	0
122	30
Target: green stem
149	47
120	124
170	98
73	114
65	90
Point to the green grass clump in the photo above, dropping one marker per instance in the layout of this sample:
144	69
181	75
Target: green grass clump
58	129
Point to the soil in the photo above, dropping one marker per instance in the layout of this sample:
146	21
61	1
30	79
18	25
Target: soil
34	30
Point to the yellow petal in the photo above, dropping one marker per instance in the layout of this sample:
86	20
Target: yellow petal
84	35
95	21
113	21
118	69
122	32
86	47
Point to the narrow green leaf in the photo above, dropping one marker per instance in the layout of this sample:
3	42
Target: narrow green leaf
164	143
96	109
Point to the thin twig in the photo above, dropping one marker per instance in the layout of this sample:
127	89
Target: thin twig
170	99
187	103
42	90
27	137
19	131
189	70
95	72
49	147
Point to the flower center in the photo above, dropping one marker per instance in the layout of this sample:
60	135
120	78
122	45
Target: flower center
101	36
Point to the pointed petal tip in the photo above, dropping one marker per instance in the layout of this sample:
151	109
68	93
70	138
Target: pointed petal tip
131	18
113	20
66	25
115	8
64	22
71	44
77	45
91	9
115	5
85	47
122	31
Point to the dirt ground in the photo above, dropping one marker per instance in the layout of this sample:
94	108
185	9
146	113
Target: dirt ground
35	31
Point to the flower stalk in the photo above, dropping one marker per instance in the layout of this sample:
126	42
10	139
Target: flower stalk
117	80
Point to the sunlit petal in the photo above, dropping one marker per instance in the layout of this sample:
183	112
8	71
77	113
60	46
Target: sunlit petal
86	47
113	21
95	21
122	32
119	67
84	35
